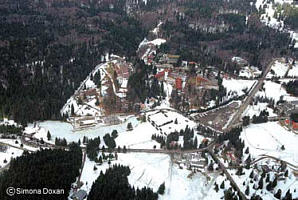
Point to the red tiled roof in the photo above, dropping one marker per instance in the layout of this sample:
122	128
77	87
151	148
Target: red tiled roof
201	79
178	84
295	125
160	74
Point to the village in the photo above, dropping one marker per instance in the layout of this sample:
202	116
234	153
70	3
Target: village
183	129
100	104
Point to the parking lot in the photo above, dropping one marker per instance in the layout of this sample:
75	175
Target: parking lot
219	117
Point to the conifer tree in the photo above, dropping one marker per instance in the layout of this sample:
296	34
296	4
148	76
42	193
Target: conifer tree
49	135
222	185
161	189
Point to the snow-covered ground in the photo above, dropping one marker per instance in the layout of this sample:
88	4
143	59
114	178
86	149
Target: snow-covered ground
156	29
12	142
89	108
10	152
159	118
139	137
269	17
289	183
151	170
274	91
65	130
6	122
279	70
38	132
249	72
252	110
294	71
268	138
263	140
236	87
156	42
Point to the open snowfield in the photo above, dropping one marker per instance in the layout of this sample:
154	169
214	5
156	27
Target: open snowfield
151	170
139	137
237	86
267	139
65	130
275	91
279	70
294	71
252	110
8	154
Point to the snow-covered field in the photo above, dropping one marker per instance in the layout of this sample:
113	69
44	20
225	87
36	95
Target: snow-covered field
139	137
151	170
294	71
65	130
279	70
264	140
252	110
274	91
236	87
289	183
8	154
268	138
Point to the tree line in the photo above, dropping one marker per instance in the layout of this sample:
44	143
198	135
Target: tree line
55	169
114	185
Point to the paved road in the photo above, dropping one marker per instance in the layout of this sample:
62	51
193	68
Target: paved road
165	151
162	151
233	183
83	164
238	115
21	148
263	156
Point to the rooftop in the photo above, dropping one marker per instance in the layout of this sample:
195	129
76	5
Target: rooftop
79	195
294	102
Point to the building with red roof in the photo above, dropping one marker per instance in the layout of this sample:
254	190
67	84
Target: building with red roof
178	83
160	75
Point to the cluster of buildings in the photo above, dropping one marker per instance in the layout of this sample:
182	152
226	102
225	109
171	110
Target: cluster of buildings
246	71
288	111
193	161
96	100
186	77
